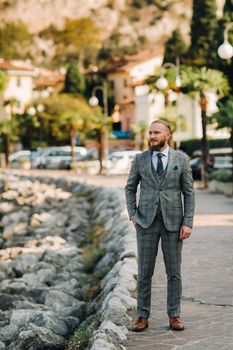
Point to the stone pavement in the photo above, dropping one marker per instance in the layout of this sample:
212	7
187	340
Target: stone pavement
207	271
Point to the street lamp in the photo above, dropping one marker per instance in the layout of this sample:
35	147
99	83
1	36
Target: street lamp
94	101
162	84
37	109
225	51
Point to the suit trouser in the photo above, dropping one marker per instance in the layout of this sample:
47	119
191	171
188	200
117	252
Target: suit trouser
147	242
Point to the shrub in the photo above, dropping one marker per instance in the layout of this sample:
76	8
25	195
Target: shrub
221	176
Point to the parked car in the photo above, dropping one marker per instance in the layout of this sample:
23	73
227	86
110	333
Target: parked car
120	161
196	165
223	162
20	159
57	157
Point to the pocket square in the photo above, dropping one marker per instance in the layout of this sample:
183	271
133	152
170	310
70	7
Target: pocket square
175	168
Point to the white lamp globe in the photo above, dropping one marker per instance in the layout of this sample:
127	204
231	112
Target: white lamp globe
93	101
161	83
31	110
178	81
225	51
40	108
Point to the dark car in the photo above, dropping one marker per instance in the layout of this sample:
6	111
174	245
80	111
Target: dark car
196	165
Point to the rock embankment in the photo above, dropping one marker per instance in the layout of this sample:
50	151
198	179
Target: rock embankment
67	258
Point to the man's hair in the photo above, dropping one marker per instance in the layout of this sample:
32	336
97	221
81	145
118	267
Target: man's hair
164	123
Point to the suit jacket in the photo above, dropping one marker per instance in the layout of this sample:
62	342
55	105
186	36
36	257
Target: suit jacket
175	191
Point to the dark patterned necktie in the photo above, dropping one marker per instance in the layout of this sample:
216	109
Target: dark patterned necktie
160	164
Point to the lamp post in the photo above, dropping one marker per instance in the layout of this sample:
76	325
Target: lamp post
94	101
37	109
225	51
162	84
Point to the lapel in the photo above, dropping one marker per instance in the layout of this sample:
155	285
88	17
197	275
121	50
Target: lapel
170	165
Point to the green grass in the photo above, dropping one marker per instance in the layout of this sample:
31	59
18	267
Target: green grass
80	340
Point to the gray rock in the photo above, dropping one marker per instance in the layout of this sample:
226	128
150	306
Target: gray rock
39	275
78	310
37	338
50	321
25	262
2	346
14	286
56	300
8	333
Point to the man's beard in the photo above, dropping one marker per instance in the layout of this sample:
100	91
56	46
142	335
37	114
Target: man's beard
156	147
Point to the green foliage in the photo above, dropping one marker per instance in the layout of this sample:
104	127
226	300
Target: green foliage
192	145
80	339
92	251
162	5
91	256
95	235
139	3
9	127
224	116
63	112
174	47
92	291
15	40
74	80
3	80
226	65
76	40
221	176
197	81
203	48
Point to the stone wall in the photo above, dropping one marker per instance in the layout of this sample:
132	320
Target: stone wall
43	281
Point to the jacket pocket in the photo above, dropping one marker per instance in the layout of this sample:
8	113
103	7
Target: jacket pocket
177	204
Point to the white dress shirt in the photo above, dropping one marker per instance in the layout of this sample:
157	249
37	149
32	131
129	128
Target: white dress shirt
164	158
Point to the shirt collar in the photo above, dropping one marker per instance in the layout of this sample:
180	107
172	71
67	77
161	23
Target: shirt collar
165	152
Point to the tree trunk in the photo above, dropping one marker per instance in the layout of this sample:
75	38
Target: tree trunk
231	142
101	148
6	148
72	145
204	141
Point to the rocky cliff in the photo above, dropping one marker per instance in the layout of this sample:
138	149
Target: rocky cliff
153	21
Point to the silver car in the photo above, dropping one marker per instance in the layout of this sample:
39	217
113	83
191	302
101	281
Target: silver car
57	157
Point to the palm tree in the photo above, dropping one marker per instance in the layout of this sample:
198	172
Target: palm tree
68	115
224	119
197	82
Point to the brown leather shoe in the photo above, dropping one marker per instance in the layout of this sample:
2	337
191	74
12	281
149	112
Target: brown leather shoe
176	324
140	324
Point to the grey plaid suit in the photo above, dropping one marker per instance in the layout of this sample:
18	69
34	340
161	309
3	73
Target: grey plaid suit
175	194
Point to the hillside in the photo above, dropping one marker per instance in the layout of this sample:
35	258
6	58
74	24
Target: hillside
132	18
132	24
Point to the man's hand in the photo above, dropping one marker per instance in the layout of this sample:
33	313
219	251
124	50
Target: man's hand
185	232
133	221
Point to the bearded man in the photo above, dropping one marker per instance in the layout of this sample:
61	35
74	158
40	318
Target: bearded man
165	211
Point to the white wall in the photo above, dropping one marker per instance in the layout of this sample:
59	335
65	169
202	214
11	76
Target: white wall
22	93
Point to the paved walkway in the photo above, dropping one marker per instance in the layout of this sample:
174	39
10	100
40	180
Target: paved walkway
207	271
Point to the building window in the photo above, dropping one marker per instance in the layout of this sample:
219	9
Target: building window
111	83
18	82
125	82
